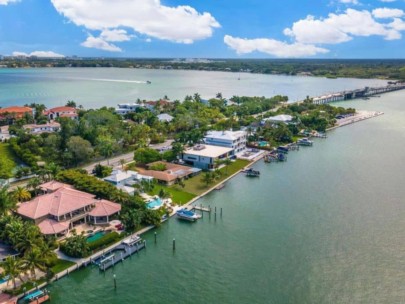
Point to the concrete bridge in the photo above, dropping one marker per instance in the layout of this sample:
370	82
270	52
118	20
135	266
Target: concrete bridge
359	93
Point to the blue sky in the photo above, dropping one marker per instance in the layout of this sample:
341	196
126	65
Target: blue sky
208	28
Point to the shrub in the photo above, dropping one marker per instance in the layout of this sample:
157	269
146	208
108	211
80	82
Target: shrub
104	241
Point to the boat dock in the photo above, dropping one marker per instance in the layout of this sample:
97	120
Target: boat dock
120	252
201	208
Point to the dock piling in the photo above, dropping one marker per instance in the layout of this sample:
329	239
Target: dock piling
221	212
155	237
115	281
174	244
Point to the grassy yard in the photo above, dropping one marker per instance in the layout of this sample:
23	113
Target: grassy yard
177	194
195	185
61	265
8	161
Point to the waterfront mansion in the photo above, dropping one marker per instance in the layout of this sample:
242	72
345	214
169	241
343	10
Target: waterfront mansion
62	207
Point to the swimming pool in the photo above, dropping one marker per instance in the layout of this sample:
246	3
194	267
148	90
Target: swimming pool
263	143
96	236
154	204
4	279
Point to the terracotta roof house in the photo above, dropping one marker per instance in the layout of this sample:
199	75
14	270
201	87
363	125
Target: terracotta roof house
171	174
61	209
45	128
61	112
15	111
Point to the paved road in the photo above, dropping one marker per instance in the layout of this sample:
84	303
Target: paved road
115	161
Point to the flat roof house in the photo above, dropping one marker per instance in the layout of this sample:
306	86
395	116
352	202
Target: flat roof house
50	127
125	179
204	156
63	207
125	108
283	118
228	139
172	173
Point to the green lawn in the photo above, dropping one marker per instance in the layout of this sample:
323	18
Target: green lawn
177	194
61	265
195	185
8	161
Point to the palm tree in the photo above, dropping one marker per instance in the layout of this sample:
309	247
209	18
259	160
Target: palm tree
7	201
21	194
122	163
30	239
33	259
227	162
207	178
52	170
34	184
12	268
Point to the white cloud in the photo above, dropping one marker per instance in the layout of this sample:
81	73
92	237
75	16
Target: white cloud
349	1
398	24
42	54
387	13
100	43
115	35
310	30
388	0
182	24
5	2
307	34
338	28
272	47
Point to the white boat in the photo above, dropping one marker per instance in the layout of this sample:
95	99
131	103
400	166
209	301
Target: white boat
304	142
187	215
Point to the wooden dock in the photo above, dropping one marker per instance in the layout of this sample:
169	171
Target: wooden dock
201	208
118	254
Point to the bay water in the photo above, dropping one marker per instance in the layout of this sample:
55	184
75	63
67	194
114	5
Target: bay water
327	226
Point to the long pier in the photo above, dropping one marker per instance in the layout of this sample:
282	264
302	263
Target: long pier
359	93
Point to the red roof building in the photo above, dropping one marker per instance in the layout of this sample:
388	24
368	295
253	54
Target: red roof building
15	112
61	112
63	207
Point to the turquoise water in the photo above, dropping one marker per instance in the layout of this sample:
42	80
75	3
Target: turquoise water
157	202
96	87
325	227
98	235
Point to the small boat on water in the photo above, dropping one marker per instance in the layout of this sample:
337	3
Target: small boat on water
282	149
251	173
38	296
148	82
304	142
187	215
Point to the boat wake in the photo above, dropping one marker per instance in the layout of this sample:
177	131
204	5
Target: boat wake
114	80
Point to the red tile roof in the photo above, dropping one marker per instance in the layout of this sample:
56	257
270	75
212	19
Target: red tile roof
62	109
16	109
105	208
49	226
62	201
53	185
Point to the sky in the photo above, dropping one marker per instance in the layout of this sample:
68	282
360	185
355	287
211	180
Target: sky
203	28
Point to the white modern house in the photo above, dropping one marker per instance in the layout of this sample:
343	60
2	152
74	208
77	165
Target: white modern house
204	156
236	140
283	118
125	108
125	179
45	128
4	133
164	117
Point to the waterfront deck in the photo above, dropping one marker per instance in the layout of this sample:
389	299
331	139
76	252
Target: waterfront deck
118	254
